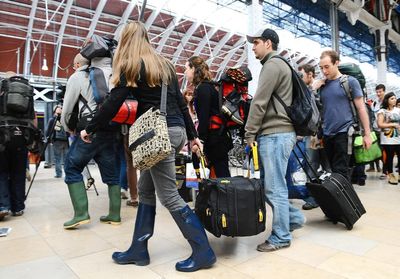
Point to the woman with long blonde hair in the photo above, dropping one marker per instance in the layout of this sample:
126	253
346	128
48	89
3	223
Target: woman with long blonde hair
140	71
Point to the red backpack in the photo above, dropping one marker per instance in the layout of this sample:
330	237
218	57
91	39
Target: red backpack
234	100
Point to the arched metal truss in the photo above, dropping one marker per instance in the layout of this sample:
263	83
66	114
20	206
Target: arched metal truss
307	19
176	36
66	24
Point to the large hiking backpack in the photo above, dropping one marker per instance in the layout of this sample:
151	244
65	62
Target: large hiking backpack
352	69
17	98
303	111
100	51
233	99
17	108
344	82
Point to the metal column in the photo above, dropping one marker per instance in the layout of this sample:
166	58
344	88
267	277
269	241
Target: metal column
381	40
333	17
255	23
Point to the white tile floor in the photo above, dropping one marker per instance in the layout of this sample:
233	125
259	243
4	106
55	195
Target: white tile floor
38	246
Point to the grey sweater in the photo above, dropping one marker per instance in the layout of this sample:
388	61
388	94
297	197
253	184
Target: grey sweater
78	84
275	76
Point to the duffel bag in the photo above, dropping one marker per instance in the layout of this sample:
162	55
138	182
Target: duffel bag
231	206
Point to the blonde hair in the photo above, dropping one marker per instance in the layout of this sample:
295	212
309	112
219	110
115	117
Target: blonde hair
134	48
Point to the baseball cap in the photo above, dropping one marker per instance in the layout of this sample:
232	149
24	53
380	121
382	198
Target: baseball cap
267	34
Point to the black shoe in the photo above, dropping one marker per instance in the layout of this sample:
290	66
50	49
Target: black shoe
18	213
309	206
361	182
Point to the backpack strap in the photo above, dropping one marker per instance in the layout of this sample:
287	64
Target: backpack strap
85	104
274	94
344	82
280	101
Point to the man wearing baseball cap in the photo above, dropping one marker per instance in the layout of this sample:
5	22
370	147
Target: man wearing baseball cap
269	124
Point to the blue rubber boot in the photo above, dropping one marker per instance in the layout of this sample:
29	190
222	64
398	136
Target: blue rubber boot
144	227
202	254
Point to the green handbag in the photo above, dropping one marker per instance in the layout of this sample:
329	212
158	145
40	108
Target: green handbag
363	156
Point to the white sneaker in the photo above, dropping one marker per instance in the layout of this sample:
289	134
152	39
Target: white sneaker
124	194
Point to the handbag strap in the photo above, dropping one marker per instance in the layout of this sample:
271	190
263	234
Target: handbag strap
163	105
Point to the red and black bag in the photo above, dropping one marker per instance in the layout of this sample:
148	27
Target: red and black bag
234	100
126	113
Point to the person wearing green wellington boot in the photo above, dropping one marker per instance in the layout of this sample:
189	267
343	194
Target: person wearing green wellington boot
102	148
114	194
79	200
141	76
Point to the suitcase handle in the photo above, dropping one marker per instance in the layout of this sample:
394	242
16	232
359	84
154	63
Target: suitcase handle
307	163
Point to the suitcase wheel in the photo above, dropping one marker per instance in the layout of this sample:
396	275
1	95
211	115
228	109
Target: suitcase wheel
349	227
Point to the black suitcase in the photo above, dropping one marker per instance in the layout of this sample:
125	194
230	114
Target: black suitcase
233	206
336	197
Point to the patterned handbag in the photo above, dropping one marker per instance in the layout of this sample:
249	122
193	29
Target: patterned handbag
148	136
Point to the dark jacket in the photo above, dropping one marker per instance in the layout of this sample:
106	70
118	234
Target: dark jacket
206	105
148	97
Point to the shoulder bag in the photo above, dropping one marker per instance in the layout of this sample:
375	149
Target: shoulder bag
148	136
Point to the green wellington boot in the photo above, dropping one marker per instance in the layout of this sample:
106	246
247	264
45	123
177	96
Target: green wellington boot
113	217
77	192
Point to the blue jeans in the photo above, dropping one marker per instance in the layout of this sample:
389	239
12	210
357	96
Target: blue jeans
60	148
103	150
12	174
274	152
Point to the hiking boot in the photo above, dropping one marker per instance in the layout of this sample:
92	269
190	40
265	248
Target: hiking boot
269	247
393	179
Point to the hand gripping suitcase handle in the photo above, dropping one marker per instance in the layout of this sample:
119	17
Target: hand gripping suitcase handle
252	153
202	160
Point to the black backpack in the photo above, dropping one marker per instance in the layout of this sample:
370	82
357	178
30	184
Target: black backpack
16	109
16	96
303	111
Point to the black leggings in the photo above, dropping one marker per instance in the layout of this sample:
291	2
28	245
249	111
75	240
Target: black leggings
390	150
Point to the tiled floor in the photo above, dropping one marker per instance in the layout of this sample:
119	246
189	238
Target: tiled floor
38	246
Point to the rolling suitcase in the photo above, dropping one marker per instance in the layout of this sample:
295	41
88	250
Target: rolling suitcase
337	198
231	206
